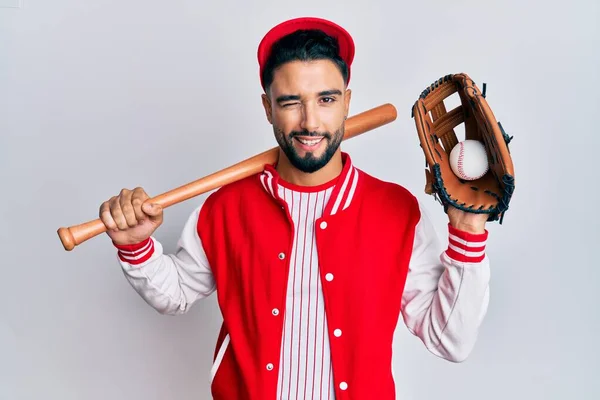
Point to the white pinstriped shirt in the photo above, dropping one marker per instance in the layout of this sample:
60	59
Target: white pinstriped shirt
306	369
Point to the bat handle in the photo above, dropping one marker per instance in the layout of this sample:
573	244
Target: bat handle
77	234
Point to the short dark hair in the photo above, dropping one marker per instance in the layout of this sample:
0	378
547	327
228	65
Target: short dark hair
303	45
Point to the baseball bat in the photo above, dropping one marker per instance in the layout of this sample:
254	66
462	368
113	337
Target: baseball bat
354	126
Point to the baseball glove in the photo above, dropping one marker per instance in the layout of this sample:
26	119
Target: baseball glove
489	194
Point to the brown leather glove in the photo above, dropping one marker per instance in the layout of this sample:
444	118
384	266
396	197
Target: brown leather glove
489	194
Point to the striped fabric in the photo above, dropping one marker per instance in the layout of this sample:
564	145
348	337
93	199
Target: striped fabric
135	254
466	247
305	367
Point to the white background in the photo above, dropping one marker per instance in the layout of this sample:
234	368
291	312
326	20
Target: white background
100	95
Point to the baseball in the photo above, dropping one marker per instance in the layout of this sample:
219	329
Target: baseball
468	160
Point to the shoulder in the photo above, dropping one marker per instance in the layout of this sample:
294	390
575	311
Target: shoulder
386	191
391	199
238	191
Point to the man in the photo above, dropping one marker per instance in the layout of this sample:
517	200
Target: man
313	260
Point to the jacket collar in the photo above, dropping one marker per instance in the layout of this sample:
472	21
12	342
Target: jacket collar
343	191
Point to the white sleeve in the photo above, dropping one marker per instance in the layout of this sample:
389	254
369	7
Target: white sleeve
170	283
446	298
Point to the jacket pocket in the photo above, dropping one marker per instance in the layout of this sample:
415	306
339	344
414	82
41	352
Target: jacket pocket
219	358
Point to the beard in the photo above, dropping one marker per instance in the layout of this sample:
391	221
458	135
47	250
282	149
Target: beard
309	163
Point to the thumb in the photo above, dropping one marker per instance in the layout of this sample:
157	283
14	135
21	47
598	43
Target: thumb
151	209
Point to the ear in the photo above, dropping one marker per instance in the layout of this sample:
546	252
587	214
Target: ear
268	110
347	96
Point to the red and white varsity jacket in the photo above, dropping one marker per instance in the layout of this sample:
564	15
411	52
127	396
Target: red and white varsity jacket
379	259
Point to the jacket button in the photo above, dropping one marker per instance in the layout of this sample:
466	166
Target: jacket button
343	386
337	333
329	277
269	367
323	225
281	256
275	312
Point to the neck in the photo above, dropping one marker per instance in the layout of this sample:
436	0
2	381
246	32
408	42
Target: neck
293	175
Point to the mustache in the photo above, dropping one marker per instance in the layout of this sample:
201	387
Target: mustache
326	135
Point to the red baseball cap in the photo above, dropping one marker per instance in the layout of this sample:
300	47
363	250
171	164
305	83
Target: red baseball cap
346	44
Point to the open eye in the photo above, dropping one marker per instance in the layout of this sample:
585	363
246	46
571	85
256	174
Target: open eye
327	99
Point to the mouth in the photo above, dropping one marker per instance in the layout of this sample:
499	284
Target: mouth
309	143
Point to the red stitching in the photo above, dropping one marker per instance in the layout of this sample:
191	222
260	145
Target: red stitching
460	161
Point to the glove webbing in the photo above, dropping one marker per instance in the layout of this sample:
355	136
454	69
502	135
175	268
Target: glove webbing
444	123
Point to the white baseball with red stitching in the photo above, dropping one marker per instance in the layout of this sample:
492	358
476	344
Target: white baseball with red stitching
468	160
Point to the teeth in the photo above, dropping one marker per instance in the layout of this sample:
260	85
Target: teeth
310	142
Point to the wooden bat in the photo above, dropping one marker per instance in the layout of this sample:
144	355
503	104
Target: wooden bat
354	126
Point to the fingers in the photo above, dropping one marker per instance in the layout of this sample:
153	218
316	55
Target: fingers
106	216
138	198
112	216
142	207
117	213
128	209
153	210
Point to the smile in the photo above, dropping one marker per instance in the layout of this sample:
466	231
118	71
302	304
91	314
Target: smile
310	142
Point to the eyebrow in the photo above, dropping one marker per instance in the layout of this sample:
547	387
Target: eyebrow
330	92
289	97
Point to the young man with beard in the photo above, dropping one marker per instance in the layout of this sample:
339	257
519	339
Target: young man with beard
313	260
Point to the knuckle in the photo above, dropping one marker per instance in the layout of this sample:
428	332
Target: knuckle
105	218
126	205
140	193
116	213
115	204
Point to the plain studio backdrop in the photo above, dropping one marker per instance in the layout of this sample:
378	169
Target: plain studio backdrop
98	96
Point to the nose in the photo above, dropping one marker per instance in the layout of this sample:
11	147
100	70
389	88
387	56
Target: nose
310	118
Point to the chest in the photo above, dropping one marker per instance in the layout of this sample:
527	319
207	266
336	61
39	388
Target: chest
264	249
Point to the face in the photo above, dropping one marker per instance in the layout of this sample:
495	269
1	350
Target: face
307	104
